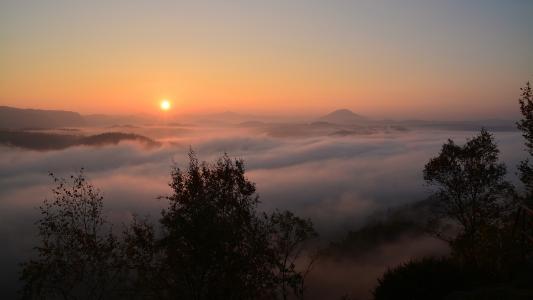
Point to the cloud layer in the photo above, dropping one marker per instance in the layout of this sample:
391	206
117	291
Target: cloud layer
335	181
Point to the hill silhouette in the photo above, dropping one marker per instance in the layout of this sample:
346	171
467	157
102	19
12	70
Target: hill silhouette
342	116
116	120
53	141
17	118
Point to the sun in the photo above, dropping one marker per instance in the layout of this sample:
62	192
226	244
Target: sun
165	104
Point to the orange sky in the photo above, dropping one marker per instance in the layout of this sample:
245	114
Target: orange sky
385	60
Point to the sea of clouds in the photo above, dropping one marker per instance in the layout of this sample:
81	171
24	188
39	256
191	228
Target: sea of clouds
336	181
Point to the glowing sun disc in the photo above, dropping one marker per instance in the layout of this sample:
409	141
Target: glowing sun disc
165	105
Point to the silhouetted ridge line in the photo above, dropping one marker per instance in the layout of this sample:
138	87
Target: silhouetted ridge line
342	116
53	141
17	118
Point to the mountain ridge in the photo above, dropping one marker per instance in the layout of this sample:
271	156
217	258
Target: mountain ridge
342	116
11	117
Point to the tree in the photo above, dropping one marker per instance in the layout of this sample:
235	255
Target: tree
216	245
142	260
526	126
78	256
288	237
524	215
472	192
428	278
446	278
212	243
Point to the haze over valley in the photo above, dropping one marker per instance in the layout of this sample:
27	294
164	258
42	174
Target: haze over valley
280	149
342	170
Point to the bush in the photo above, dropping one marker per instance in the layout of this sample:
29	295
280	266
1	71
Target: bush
428	278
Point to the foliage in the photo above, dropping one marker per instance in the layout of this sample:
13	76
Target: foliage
212	244
526	126
288	237
428	278
77	255
142	260
472	192
447	278
217	246
494	231
524	215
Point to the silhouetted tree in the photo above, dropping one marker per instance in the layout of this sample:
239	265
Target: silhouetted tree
472	193
288	237
428	278
217	246
78	257
143	261
524	215
446	278
475	196
213	244
526	126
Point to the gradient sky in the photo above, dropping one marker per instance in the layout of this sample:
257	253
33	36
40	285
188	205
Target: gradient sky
438	59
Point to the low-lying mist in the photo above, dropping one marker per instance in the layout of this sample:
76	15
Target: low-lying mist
339	181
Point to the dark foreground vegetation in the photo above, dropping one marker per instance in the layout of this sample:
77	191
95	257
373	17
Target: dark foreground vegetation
211	242
488	225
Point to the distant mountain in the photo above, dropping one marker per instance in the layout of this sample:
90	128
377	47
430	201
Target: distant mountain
252	124
228	115
53	141
472	125
117	120
231	117
342	116
16	118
